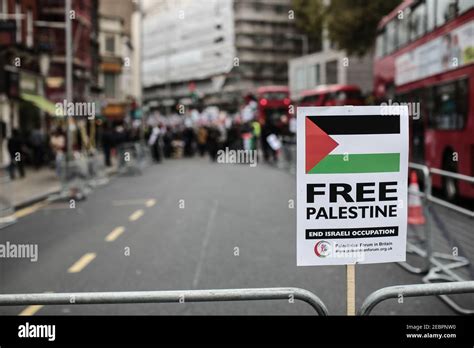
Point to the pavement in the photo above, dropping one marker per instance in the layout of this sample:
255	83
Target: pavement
34	186
186	224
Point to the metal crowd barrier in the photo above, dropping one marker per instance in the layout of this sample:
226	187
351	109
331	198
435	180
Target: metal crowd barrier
287	156
73	175
133	157
175	296
438	266
414	290
424	246
97	173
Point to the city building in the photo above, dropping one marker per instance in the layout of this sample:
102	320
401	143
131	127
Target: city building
51	27
24	63
119	71
214	52
329	66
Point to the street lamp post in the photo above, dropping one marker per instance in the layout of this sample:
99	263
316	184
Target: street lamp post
69	62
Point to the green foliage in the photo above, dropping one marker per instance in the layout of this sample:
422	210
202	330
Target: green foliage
309	18
351	24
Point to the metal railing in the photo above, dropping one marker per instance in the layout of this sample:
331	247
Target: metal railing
424	253
438	266
133	157
414	290
175	296
460	177
230	295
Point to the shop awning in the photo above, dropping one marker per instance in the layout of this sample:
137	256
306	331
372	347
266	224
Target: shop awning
42	103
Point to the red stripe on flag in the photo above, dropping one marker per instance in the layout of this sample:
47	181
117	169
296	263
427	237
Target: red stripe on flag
318	144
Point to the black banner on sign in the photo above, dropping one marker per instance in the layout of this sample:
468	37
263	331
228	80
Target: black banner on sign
363	232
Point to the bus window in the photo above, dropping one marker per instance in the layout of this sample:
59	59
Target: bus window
450	106
404	28
430	14
445	11
310	100
464	5
379	46
418	21
390	37
274	95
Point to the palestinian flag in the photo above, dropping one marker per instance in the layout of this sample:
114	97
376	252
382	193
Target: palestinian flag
333	144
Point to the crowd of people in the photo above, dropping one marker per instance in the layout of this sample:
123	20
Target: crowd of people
37	149
174	136
205	133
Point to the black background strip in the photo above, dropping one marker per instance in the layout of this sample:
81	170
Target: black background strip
358	124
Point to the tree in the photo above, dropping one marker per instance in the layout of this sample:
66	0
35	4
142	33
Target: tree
309	19
351	24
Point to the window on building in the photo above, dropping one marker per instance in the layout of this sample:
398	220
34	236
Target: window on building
331	72
29	28
110	44
110	86
279	9
450	105
258	6
18	22
3	6
418	21
317	74
313	76
300	78
258	39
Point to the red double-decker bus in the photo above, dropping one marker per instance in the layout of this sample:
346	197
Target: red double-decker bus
425	57
332	95
273	106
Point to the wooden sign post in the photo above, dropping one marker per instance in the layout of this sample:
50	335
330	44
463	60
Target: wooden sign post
350	289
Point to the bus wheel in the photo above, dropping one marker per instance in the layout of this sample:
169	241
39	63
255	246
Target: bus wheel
450	185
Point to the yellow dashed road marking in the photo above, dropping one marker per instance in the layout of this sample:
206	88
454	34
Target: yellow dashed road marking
130	202
150	203
82	263
31	310
29	210
115	234
136	215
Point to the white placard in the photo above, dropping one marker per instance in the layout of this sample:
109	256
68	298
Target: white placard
351	184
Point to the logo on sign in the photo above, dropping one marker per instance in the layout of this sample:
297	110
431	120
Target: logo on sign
322	248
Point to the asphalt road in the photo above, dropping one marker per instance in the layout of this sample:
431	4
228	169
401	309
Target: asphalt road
185	224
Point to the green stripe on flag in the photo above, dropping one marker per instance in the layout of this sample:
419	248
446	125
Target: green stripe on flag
358	163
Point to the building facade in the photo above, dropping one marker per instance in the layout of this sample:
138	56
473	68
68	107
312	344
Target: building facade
119	71
214	52
328	67
22	70
51	27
